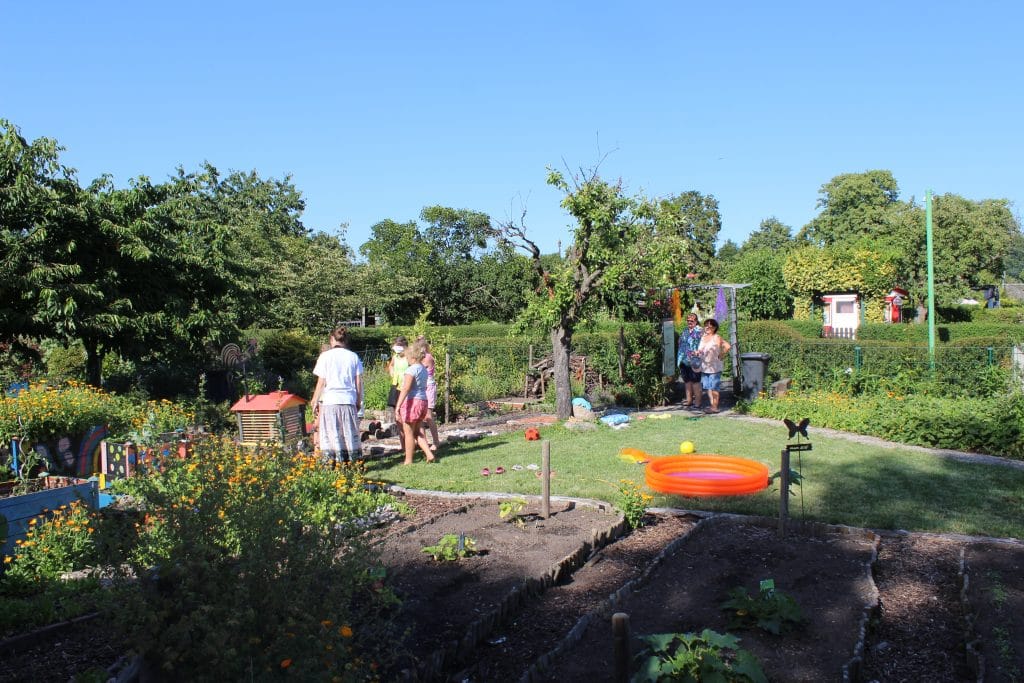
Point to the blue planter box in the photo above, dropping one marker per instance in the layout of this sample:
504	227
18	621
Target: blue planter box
16	511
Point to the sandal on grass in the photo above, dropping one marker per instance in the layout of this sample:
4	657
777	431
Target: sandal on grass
485	472
499	470
516	468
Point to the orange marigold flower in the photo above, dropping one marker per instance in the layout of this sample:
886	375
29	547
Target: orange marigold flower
345	631
285	663
327	622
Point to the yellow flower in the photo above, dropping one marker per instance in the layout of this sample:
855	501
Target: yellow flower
345	631
8	559
327	623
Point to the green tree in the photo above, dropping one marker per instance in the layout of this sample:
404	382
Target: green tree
725	257
685	229
607	229
39	197
457	269
1013	264
772	234
456	240
853	205
767	298
398	251
971	240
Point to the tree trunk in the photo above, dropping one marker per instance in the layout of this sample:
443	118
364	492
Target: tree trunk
93	363
561	350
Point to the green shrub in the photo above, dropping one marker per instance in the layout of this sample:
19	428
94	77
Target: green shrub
285	353
64	363
993	425
376	385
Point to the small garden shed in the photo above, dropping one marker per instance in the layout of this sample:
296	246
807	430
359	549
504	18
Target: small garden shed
277	416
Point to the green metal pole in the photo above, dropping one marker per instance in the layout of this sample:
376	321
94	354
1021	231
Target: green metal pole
931	279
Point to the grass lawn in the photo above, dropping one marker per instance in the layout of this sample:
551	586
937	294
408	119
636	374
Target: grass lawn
844	482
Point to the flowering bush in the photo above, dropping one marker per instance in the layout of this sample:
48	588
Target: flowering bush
633	503
43	411
55	543
254	564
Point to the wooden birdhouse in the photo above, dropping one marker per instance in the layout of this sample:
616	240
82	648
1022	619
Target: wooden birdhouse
277	416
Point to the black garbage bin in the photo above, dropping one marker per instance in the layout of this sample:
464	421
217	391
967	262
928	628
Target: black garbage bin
753	368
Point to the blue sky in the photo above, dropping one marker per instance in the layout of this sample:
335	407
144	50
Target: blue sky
379	109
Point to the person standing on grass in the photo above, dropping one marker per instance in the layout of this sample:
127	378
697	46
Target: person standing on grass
688	361
712	352
411	407
396	369
337	399
431	419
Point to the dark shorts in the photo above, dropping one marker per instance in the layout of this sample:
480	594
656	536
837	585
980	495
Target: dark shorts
688	374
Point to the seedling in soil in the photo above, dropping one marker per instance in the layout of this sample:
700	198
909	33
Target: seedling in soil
998	590
710	656
510	510
451	548
795	479
1004	646
770	610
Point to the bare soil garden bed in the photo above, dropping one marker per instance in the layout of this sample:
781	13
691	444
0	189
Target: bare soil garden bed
888	607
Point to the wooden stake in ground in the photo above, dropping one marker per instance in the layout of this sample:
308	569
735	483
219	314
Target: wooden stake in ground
620	636
545	479
784	493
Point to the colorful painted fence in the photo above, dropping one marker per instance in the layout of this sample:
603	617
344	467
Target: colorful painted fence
72	455
122	460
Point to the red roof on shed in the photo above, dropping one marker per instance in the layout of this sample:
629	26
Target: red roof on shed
273	402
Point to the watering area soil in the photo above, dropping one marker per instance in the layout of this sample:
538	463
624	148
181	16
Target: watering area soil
536	604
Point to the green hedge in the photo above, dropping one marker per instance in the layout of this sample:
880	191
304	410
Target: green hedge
993	425
971	365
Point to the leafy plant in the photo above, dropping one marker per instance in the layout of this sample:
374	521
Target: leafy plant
452	548
510	510
710	656
770	610
633	503
795	478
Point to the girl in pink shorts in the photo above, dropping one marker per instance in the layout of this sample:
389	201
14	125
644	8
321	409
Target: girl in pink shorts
411	407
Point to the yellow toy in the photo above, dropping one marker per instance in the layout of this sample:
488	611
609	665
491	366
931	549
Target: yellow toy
687	447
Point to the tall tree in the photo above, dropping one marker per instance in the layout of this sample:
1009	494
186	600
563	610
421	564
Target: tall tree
453	262
686	227
772	234
971	241
853	205
39	198
606	229
767	298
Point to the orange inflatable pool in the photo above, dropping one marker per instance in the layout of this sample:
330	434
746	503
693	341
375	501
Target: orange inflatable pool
706	475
